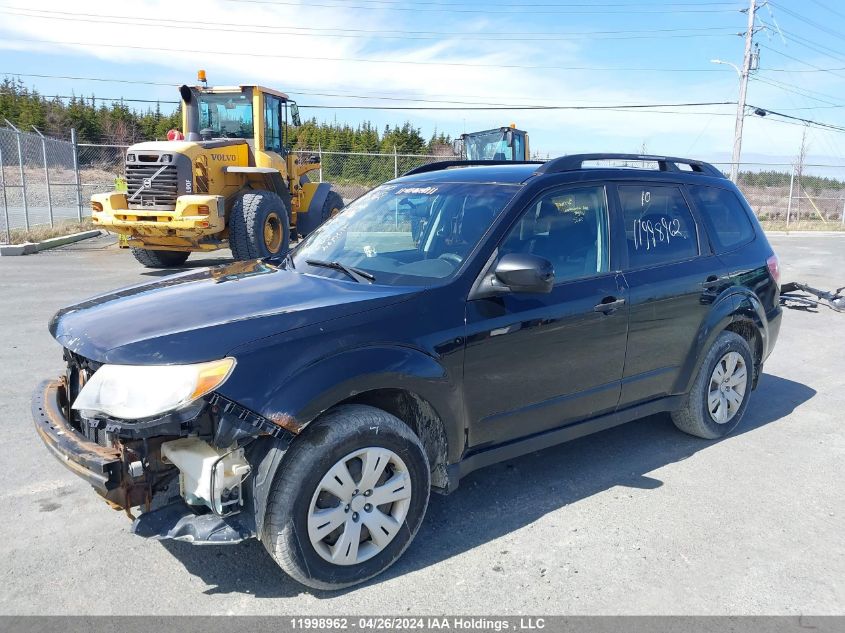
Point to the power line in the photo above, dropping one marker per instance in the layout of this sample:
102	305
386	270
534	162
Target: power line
830	126
363	60
805	20
813	46
368	97
523	5
833	71
803	92
380	31
825	6
400	35
593	8
627	106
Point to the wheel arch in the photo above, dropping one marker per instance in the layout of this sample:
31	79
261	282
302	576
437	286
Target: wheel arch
740	312
422	418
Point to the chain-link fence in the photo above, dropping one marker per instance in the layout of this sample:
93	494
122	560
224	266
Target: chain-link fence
795	197
38	180
45	180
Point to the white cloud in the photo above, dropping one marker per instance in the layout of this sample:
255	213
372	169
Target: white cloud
551	131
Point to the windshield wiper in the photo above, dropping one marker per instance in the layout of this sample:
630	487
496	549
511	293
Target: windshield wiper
356	273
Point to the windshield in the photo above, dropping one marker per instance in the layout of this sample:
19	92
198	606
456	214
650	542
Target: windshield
225	115
406	234
491	145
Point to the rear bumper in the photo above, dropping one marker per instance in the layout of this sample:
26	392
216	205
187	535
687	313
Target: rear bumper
773	320
100	466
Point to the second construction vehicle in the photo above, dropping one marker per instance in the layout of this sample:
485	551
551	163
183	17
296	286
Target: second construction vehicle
227	181
503	143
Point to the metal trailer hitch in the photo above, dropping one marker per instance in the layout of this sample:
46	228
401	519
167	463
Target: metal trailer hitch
795	295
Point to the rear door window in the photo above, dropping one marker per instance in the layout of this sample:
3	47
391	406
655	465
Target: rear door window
725	217
659	226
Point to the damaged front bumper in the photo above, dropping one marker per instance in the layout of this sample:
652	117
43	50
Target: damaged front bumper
99	465
129	471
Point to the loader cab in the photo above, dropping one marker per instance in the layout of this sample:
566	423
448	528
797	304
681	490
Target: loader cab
259	115
504	143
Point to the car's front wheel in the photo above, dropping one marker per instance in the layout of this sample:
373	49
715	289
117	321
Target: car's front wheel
349	497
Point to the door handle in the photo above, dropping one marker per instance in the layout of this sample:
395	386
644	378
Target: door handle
712	280
608	305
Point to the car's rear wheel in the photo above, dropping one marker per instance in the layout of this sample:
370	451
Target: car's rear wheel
350	495
719	396
159	259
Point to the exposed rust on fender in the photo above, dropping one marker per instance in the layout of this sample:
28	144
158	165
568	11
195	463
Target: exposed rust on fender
287	422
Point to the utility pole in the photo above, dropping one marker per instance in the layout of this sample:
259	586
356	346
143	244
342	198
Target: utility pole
743	90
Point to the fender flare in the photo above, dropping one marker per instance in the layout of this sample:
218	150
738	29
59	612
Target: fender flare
314	197
736	306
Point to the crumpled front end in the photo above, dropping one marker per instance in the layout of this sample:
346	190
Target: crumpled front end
187	474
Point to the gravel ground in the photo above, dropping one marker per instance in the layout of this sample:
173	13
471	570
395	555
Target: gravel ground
640	519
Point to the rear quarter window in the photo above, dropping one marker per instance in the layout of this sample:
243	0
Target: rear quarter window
724	215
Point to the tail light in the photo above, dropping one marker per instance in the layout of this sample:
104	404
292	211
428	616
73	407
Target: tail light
774	268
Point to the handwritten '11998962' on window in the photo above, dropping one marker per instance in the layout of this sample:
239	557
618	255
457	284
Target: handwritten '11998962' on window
650	234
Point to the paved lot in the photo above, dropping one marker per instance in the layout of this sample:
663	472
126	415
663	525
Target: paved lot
636	520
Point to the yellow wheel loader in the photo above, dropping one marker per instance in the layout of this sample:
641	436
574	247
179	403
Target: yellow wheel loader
228	181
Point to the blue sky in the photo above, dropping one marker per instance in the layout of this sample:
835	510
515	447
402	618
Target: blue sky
439	53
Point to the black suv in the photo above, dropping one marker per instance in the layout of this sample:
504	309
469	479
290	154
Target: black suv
460	315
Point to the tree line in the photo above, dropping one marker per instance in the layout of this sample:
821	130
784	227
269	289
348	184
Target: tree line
116	123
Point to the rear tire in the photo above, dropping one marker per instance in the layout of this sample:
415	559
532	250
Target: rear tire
333	203
719	396
313	517
259	226
160	259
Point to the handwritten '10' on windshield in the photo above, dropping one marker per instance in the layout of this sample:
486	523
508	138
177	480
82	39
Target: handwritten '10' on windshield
651	234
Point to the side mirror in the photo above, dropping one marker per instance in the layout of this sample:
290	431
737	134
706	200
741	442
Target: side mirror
294	114
457	147
509	138
523	272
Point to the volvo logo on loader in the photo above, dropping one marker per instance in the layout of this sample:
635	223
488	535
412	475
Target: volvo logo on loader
226	157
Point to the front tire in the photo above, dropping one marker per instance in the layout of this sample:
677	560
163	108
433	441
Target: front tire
719	396
348	499
332	205
159	259
258	226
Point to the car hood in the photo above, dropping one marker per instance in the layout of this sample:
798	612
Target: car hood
202	315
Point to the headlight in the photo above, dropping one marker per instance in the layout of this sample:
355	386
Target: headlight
132	392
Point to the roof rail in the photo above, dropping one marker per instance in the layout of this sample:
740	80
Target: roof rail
445	164
665	163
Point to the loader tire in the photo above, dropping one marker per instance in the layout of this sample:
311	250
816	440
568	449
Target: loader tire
160	259
333	203
259	226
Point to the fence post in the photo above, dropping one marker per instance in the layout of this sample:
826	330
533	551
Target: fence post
791	187
395	163
5	202
320	156
46	174
23	176
76	172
